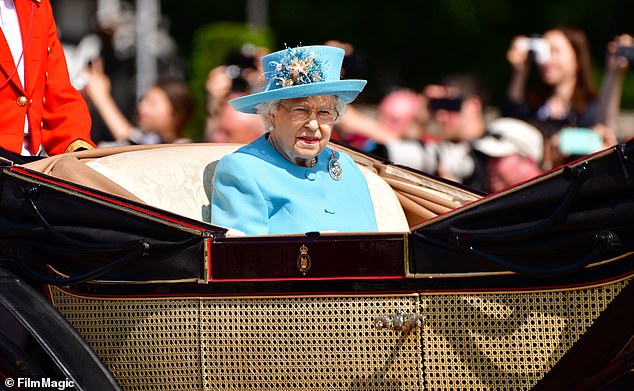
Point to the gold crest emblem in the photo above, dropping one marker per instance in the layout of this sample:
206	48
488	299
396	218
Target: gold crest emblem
303	260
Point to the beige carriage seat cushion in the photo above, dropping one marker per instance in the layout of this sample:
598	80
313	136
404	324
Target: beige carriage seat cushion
388	212
179	179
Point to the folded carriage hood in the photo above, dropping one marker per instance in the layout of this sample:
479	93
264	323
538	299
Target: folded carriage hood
557	224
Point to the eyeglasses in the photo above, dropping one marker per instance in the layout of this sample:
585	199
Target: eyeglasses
302	113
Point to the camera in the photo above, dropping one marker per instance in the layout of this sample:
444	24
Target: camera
238	65
238	82
627	52
538	48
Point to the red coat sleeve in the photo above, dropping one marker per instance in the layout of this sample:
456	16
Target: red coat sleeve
66	122
58	115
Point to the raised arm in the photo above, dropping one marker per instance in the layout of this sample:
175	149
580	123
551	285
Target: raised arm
98	90
518	58
612	85
357	123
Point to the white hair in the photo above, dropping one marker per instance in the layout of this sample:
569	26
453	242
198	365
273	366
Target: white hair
265	109
270	107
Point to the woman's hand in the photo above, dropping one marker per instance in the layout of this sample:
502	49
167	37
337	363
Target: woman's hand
98	90
608	135
217	87
98	83
615	62
517	56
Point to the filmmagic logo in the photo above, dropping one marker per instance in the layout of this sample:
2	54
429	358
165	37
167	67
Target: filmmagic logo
45	382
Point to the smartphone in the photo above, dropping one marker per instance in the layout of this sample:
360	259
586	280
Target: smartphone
579	141
627	52
449	104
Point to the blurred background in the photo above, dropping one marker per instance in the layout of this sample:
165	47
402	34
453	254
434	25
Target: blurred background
396	44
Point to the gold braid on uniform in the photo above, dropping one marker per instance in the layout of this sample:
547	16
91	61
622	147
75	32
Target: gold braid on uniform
78	144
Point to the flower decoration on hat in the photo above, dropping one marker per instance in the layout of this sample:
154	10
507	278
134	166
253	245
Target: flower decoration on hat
298	66
306	71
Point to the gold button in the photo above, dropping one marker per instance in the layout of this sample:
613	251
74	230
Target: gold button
41	124
48	50
30	102
46	75
21	101
44	100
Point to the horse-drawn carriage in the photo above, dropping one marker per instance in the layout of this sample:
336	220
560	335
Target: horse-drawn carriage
528	288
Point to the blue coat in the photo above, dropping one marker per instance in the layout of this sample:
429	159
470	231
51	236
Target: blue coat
259	192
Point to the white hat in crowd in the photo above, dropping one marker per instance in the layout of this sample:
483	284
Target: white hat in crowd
508	136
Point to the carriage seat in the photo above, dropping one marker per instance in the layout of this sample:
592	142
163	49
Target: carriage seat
179	179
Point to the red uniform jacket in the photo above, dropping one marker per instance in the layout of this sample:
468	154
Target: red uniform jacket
58	115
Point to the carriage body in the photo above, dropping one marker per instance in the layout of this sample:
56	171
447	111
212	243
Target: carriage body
457	291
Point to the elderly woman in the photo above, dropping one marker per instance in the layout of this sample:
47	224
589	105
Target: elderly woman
288	180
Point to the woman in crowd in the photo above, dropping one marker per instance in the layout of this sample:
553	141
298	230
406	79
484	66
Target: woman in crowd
288	180
162	113
565	92
565	95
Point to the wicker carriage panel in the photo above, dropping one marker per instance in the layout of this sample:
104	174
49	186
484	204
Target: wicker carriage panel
477	341
504	341
297	343
147	345
308	344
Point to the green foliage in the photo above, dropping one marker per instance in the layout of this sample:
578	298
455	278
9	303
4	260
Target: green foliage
211	44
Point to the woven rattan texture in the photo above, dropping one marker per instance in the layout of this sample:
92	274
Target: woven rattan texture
504	341
147	345
303	343
469	342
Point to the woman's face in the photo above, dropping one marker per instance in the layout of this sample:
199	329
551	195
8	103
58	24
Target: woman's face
299	140
563	60
155	112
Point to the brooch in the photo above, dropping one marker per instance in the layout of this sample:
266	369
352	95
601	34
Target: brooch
334	167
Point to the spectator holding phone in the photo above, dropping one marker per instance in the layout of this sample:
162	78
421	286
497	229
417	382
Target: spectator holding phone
565	91
484	155
162	113
565	95
456	108
240	74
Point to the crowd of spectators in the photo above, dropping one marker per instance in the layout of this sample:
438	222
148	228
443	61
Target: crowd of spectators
552	112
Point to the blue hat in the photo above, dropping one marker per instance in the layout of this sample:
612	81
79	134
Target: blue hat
299	72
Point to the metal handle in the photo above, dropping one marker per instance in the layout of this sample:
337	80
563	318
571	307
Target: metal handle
399	321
